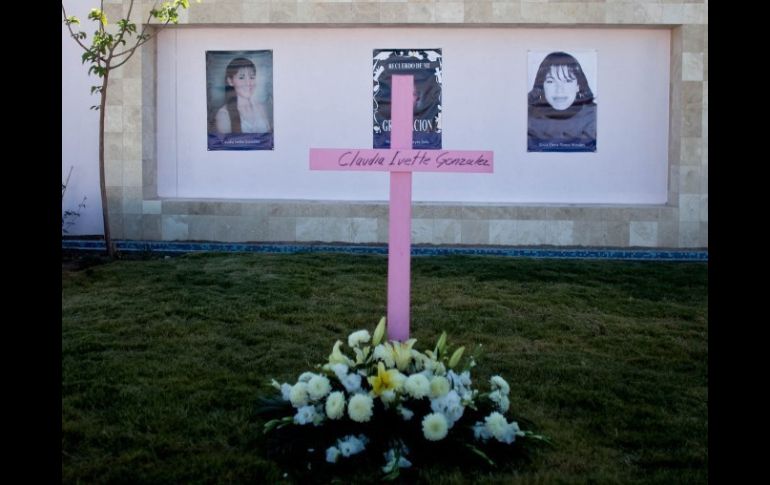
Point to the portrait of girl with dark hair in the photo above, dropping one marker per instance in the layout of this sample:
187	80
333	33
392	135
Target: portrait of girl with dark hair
242	112
239	100
562	108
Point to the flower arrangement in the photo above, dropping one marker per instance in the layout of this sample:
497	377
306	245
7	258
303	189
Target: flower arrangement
389	405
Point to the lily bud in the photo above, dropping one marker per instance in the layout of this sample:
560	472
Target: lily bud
456	357
440	344
378	332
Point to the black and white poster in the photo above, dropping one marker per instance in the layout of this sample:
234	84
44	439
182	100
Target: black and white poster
561	101
239	98
425	66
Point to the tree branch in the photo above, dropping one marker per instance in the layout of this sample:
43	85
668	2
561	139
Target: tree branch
69	27
127	18
142	38
101	7
131	50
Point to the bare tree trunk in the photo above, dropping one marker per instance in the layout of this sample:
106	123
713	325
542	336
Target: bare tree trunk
102	179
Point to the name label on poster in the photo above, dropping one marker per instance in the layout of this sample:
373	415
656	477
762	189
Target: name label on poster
401	160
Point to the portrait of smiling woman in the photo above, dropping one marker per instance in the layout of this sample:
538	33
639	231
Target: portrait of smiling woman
562	106
240	100
242	112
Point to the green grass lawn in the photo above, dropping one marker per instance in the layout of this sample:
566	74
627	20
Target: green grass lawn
163	360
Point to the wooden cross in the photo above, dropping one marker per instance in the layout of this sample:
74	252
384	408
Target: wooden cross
400	160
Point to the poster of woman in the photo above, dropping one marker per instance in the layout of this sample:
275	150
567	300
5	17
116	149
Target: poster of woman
239	99
561	101
425	66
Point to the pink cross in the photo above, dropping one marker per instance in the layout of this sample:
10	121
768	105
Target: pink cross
400	160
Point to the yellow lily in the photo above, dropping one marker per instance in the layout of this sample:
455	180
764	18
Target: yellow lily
385	380
402	352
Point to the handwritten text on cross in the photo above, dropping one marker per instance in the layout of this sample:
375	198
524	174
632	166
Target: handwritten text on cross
400	160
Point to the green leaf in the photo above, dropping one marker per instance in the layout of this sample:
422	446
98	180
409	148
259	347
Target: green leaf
98	14
126	26
481	454
72	20
277	423
440	345
538	437
393	474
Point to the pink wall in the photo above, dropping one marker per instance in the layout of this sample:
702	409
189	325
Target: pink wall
80	129
322	96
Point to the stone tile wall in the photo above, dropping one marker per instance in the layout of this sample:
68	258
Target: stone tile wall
131	168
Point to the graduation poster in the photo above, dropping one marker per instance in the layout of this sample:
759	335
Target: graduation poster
425	66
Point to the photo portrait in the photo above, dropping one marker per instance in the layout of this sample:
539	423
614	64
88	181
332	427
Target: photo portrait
239	99
425	66
561	114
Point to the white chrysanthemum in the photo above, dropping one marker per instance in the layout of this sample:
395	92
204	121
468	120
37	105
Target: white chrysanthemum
332	454
284	388
351	445
434	426
462	384
360	408
339	369
499	383
352	383
335	405
286	391
449	405
439	386
384	354
357	338
388	396
459	380
405	413
318	387
417	386
496	425
298	395
504	404
306	415
511	431
305	377
480	431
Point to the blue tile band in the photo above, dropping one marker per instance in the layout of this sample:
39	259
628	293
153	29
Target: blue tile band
692	255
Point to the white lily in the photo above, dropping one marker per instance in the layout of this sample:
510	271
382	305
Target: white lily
337	357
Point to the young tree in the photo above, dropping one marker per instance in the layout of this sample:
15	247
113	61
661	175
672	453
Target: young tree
110	47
